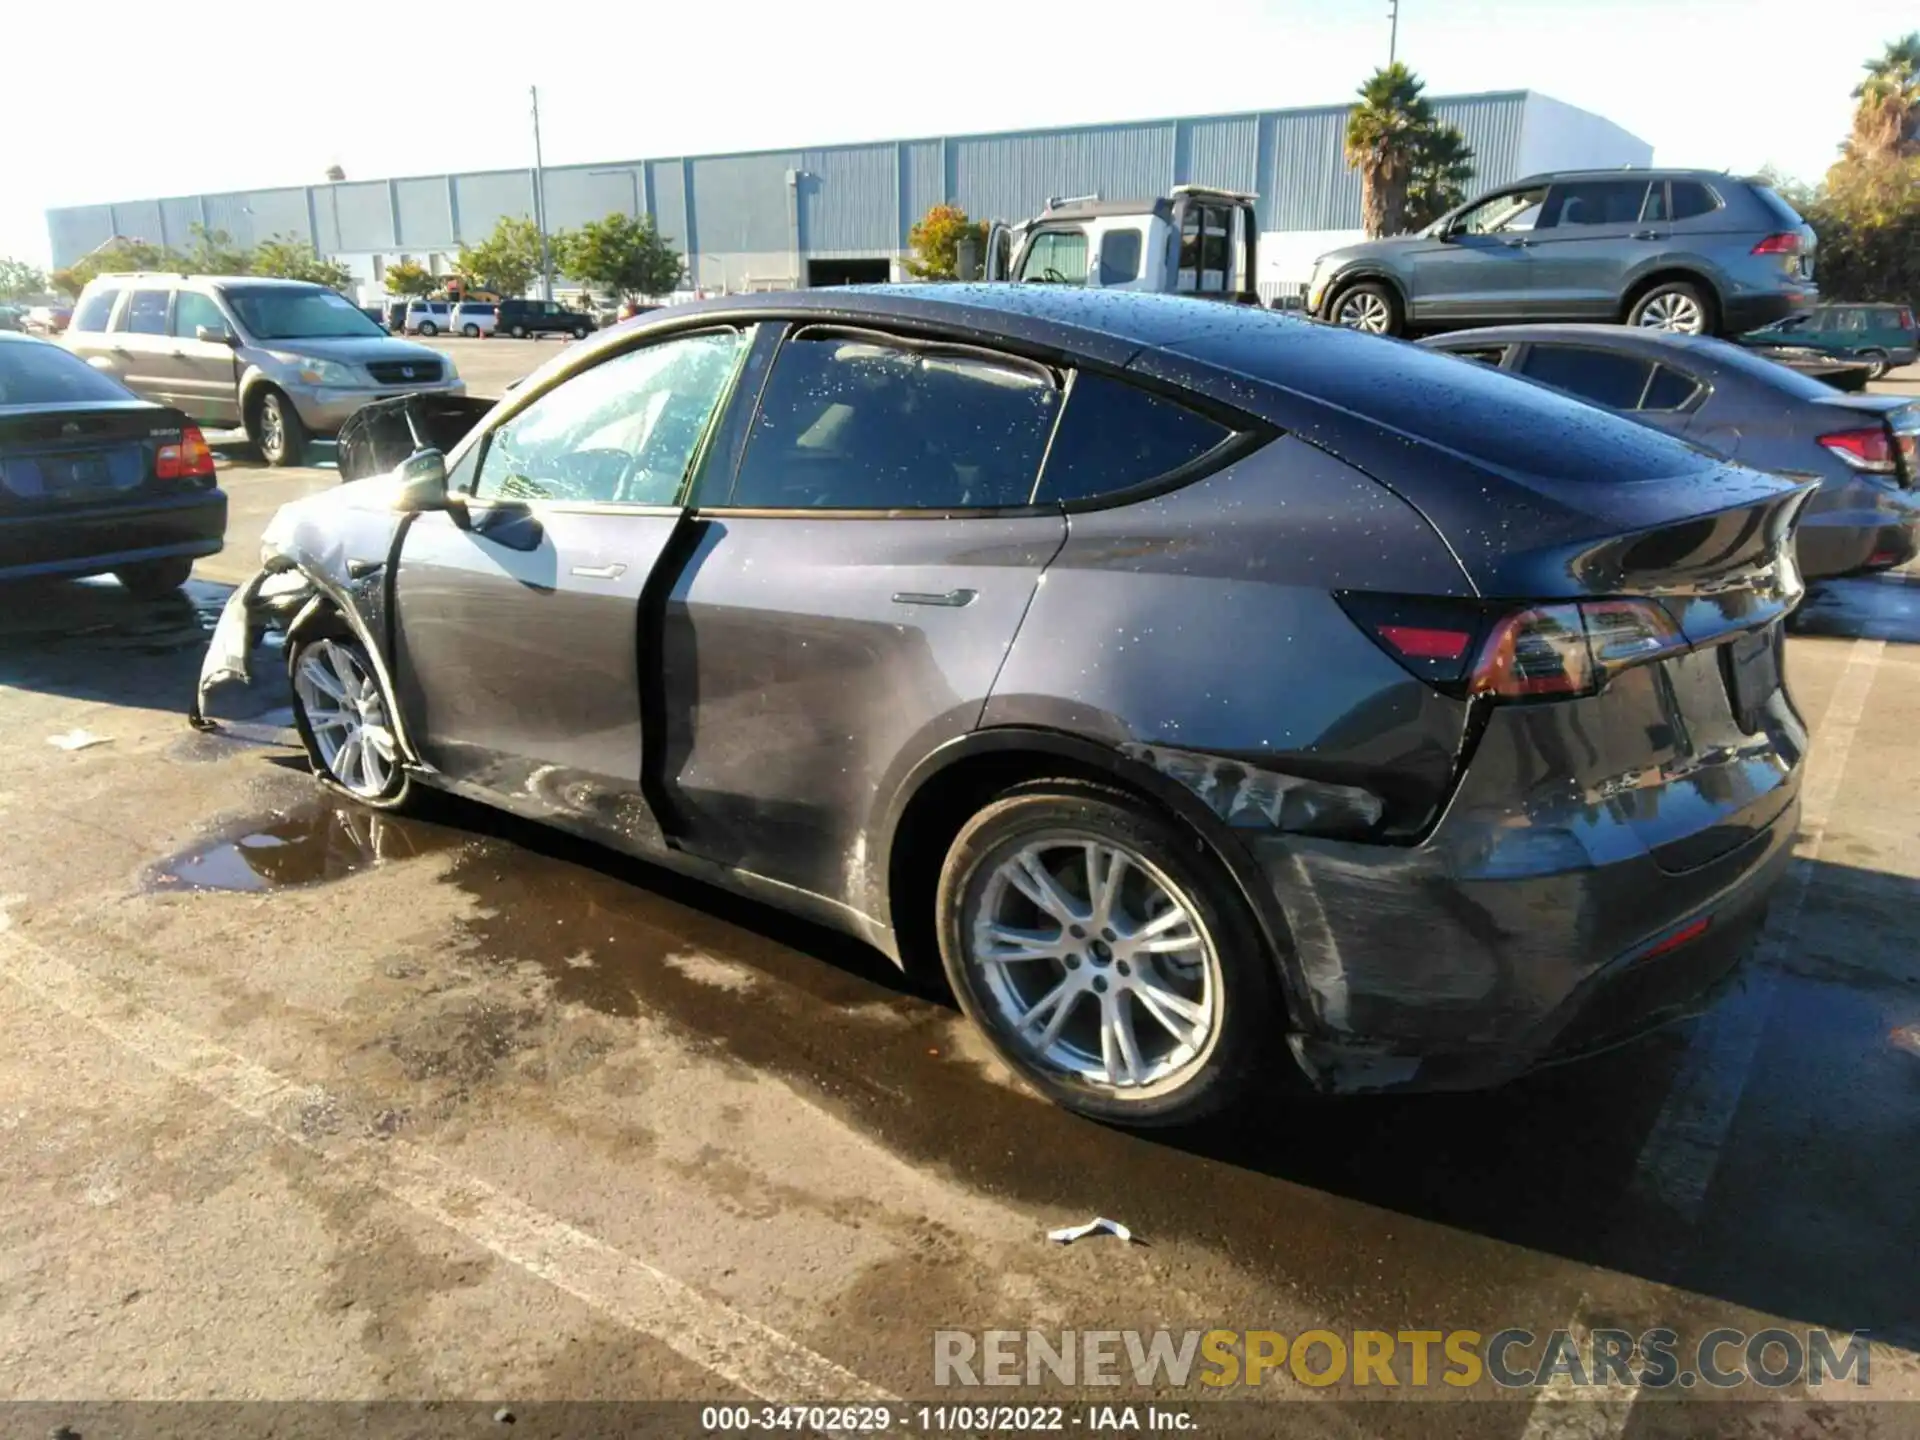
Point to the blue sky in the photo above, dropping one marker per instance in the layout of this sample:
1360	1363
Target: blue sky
266	94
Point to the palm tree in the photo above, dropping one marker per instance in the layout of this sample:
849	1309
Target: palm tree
1442	166
1888	115
1384	134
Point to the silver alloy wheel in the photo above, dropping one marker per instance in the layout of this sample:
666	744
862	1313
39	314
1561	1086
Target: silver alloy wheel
1364	310
1097	964
348	718
1674	311
273	426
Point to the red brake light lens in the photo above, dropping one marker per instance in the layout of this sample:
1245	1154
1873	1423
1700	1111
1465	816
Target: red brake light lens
1571	649
1785	243
1906	318
1419	642
1863	449
190	459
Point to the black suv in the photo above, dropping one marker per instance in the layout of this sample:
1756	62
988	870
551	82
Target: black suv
520	318
1690	250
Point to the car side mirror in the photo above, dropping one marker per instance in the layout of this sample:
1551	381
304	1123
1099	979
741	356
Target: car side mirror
215	335
422	483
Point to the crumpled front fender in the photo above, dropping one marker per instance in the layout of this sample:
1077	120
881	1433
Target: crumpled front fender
242	621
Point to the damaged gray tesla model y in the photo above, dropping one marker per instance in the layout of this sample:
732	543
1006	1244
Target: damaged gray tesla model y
1222	698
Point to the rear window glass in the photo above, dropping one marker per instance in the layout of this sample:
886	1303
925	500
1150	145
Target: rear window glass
1115	436
1777	207
1783	379
1669	391
92	312
37	374
1484	414
1599	377
1691	198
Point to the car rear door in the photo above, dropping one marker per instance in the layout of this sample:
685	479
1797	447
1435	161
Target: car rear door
850	595
138	351
1591	235
518	640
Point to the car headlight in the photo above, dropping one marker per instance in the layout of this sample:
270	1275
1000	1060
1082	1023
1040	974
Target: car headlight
326	372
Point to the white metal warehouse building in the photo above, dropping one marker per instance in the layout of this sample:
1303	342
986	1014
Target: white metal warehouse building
777	219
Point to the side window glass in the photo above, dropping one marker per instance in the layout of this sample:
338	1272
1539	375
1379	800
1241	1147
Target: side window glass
1488	355
1656	206
146	313
1691	198
92	312
1058	257
191	310
1595	202
623	432
1513	212
1596	376
1114	437
1670	390
1851	321
1120	256
856	423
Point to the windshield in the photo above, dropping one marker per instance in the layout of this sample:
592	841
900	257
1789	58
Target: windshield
276	312
36	374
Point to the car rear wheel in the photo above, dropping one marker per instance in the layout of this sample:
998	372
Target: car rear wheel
151	579
344	718
1677	306
428	328
472	332
1370	306
1877	362
519	332
278	431
1106	958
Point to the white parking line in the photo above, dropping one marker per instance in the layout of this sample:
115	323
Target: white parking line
1565	1411
734	1347
1683	1148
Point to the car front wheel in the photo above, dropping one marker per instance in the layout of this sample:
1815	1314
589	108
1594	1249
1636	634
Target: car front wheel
1107	959
429	329
278	431
1370	306
344	718
519	332
1678	306
580	332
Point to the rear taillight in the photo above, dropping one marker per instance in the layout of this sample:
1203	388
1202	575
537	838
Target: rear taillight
1906	318
190	459
1870	450
1785	243
1541	651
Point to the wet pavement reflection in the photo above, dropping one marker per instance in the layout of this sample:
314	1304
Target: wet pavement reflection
1866	607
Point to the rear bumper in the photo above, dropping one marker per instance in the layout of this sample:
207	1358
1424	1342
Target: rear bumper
1857	525
106	537
1757	309
323	410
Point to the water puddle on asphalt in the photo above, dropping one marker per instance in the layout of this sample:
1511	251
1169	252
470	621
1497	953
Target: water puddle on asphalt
316	842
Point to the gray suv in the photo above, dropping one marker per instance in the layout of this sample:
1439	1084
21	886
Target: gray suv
285	358
1696	251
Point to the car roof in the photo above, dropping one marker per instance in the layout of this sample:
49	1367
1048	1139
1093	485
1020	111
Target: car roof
1606	337
1630	172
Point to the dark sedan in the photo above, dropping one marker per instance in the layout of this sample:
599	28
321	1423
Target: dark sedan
1214	694
1861	448
94	479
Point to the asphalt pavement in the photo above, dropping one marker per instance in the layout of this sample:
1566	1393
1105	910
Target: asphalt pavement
299	1103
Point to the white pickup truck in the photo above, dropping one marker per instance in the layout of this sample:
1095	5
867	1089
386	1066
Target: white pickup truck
1194	241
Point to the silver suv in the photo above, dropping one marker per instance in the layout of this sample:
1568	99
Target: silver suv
285	358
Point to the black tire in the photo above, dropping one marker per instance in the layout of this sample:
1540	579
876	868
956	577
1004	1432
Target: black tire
389	796
1671	297
428	328
472	332
1231	965
580	332
519	332
1369	298
277	430
1879	361
151	579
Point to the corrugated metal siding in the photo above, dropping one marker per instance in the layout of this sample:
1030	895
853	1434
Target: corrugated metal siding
847	199
250	216
178	216
740	202
1222	151
1010	177
926	185
354	216
75	230
139	220
580	193
480	200
425	221
669	204
1493	125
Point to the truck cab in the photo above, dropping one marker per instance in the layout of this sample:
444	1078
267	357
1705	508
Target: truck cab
1195	241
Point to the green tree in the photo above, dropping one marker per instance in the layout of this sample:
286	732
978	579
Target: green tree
288	257
507	260
1386	135
18	278
935	242
1442	167
403	277
117	256
214	253
1886	119
622	254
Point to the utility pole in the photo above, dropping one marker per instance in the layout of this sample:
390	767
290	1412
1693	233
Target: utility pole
540	200
1393	33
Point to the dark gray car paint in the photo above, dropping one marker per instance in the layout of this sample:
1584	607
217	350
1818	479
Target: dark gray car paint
792	706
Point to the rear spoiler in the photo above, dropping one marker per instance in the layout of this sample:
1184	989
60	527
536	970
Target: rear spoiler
378	437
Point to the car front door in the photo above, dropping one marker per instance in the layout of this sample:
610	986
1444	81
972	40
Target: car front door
1480	267
205	373
1591	235
851	595
519	644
